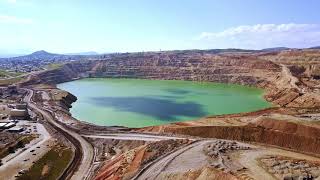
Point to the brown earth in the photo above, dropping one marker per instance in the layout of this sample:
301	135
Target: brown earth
291	80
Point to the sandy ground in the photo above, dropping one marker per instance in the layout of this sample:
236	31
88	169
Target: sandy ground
13	163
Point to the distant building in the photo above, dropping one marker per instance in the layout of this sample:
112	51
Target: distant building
16	129
19	114
15	111
22	106
9	125
2	124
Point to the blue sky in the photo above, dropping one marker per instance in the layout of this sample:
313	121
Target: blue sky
64	26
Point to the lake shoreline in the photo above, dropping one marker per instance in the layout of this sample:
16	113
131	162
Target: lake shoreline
184	88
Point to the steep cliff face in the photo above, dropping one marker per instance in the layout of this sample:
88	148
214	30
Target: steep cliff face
240	69
65	73
244	70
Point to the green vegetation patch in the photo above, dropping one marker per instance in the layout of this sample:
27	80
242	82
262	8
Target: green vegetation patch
10	81
54	66
9	74
51	165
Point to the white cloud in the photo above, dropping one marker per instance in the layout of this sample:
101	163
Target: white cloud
4	19
265	35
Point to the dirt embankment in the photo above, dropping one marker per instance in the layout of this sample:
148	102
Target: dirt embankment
268	131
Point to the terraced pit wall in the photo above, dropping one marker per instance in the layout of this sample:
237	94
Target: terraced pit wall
237	69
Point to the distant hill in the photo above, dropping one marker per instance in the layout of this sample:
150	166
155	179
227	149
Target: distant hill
275	49
46	56
84	53
38	55
316	47
41	53
53	57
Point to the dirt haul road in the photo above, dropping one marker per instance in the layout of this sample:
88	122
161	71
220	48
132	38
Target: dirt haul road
84	153
134	137
155	169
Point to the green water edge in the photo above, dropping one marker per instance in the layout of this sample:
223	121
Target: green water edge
142	102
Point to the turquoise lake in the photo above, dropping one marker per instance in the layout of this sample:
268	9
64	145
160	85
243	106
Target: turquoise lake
139	103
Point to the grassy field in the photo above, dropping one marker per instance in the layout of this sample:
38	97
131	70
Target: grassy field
6	74
50	166
54	66
10	81
7	78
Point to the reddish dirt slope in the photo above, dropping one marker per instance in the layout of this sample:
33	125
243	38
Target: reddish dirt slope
284	134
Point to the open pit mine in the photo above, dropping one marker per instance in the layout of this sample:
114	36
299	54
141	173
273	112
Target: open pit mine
278	142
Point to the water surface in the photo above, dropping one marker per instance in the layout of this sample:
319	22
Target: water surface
139	103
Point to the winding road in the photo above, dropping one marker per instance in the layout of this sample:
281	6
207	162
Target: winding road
84	153
154	169
134	136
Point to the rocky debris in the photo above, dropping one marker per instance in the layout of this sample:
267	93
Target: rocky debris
219	154
109	148
287	168
11	93
155	150
221	147
125	165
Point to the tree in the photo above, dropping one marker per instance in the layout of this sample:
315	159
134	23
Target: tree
20	144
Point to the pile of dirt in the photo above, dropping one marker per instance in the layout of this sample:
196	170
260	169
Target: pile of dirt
289	168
